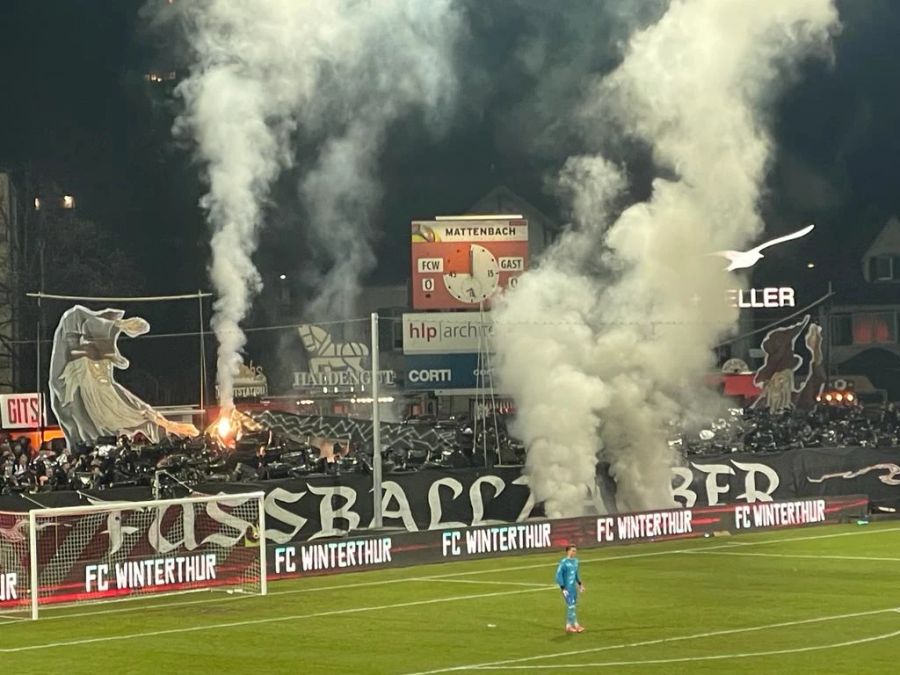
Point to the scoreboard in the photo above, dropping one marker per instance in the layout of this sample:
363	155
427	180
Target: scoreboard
462	262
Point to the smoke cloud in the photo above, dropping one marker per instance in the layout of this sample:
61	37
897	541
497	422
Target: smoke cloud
540	79
604	344
270	74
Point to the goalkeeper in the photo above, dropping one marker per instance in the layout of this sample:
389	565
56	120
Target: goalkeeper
570	583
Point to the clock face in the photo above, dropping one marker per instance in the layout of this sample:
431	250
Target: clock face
481	283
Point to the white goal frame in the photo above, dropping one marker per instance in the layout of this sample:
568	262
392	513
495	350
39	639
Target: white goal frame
36	515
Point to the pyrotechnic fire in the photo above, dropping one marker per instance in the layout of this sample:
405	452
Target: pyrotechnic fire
223	427
230	425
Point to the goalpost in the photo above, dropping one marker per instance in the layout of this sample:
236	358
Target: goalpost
121	550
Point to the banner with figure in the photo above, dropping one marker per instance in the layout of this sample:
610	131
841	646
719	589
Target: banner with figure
791	376
84	395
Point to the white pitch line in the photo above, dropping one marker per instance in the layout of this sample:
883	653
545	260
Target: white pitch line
687	659
794	555
701	546
176	605
336	587
136	607
257	622
658	641
482	581
510	568
855	533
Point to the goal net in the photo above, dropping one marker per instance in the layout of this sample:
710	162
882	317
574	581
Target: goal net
123	550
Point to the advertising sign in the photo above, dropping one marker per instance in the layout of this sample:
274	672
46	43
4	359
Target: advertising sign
249	383
335	363
758	298
490	541
446	332
21	411
460	263
443	371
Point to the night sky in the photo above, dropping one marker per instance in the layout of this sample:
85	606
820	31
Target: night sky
76	109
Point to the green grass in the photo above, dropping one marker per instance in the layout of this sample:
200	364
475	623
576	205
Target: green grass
701	606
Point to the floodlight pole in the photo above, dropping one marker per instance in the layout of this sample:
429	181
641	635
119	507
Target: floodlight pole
376	429
202	357
37	344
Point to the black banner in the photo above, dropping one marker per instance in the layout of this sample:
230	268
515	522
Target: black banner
804	472
332	506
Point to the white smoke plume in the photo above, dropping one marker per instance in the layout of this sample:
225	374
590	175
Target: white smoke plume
334	74
606	341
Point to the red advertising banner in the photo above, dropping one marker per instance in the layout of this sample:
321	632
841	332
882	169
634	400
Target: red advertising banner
21	411
460	263
464	543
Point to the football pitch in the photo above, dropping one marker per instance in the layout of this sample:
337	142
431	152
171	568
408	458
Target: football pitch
814	600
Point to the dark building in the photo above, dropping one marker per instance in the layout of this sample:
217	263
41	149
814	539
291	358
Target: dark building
862	331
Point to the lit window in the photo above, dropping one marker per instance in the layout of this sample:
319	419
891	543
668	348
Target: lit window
37	203
68	202
874	328
156	78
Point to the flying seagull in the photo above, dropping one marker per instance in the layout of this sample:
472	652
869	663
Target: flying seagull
742	259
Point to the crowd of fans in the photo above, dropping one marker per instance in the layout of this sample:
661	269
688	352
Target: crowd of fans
54	466
265	455
825	426
123	462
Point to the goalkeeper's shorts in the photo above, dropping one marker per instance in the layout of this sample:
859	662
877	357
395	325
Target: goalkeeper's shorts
572	592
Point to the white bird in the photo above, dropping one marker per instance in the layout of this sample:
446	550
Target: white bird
742	259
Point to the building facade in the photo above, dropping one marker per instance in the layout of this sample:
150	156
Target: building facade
863	319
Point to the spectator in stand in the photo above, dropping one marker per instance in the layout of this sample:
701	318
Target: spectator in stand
23	445
823	426
22	474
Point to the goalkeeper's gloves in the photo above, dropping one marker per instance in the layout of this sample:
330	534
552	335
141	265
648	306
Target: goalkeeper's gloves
565	593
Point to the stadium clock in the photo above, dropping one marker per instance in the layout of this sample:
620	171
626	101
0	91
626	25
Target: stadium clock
479	284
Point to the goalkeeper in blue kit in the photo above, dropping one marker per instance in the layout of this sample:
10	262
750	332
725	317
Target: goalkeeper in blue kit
570	583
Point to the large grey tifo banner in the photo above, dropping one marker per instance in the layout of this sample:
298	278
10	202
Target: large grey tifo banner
84	394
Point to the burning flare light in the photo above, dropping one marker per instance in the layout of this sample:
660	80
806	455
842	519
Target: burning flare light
223	427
